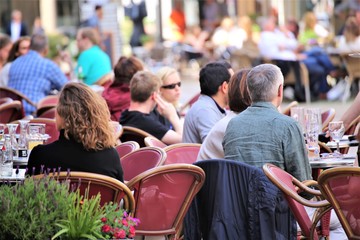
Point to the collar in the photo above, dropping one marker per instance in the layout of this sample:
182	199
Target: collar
217	105
264	105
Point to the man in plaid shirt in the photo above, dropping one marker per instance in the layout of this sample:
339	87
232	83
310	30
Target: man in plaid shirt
35	76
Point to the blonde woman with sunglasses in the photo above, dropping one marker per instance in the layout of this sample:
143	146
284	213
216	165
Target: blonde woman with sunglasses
170	89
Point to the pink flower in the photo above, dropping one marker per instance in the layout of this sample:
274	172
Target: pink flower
124	222
104	219
132	230
106	228
120	234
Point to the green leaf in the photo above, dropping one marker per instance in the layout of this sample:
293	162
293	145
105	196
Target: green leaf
59	233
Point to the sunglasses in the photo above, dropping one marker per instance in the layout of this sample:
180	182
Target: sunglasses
171	86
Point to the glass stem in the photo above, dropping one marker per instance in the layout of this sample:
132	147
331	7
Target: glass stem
337	147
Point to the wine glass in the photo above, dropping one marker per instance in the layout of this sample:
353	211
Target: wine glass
336	130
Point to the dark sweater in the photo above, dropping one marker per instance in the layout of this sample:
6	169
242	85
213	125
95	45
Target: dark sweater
69	154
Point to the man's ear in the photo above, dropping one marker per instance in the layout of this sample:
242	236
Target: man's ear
154	95
280	90
224	87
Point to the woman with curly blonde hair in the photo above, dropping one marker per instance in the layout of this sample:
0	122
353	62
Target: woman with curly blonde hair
86	142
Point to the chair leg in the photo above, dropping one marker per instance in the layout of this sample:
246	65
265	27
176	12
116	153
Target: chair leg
347	93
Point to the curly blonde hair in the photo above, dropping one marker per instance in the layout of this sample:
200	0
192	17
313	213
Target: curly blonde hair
86	117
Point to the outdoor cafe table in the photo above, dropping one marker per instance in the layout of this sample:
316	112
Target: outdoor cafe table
343	144
329	162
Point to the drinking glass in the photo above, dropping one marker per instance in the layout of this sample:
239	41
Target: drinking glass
36	134
2	129
312	129
336	130
297	113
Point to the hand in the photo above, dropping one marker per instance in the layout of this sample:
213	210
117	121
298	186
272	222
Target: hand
164	108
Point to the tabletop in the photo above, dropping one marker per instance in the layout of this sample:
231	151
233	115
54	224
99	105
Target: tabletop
343	144
14	177
333	161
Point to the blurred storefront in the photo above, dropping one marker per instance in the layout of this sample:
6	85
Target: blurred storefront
65	15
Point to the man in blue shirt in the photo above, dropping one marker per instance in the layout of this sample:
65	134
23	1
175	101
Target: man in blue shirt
35	76
210	107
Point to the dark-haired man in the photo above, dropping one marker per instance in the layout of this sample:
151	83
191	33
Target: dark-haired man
210	107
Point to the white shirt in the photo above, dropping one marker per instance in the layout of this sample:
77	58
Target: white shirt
15	31
275	45
349	47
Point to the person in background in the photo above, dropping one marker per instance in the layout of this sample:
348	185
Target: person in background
144	90
34	75
86	142
95	20
16	28
349	42
93	64
178	22
5	46
37	26
210	107
312	33
19	48
239	100
228	38
136	11
212	15
117	95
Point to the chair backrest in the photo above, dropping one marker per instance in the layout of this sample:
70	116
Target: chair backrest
182	153
232	203
11	111
15	95
49	113
352	66
288	185
46	103
126	147
188	104
163	196
154	142
5	100
134	134
326	117
50	128
141	160
288	107
111	189
340	186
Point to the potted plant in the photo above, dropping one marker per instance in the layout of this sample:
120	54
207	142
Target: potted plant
117	224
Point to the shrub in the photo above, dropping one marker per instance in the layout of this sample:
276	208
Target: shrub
29	209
